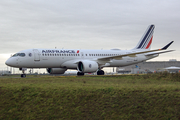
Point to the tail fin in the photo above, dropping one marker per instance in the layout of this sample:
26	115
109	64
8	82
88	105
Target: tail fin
146	40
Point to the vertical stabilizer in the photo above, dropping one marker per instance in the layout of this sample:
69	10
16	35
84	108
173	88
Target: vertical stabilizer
146	40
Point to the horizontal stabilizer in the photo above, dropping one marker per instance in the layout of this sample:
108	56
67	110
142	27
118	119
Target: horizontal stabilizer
147	53
154	53
165	47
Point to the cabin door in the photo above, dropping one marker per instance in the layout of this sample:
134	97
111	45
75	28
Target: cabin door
36	55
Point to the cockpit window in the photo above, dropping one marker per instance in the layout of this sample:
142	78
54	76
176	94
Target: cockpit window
22	54
15	55
19	54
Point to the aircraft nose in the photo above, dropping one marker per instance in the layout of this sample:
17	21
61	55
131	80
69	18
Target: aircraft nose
10	62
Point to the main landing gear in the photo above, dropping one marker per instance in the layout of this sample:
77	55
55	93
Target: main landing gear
80	74
100	72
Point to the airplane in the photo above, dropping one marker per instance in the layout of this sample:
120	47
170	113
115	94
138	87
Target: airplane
57	61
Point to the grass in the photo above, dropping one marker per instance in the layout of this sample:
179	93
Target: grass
151	96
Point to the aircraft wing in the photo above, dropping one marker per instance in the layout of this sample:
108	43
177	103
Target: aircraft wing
152	52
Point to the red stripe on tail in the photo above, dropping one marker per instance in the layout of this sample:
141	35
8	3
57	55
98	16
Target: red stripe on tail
149	43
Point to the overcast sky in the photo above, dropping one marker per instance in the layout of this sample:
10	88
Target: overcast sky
87	24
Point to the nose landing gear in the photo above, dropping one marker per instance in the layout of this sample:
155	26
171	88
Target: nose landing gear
23	71
23	75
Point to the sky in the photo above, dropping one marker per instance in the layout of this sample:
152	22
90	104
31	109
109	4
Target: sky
87	24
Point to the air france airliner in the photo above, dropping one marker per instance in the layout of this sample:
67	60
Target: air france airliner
57	61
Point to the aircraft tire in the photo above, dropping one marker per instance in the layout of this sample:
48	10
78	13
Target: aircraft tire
23	75
80	74
100	72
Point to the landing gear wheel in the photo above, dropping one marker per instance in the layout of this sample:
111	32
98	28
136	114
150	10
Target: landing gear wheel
23	75
100	72
80	74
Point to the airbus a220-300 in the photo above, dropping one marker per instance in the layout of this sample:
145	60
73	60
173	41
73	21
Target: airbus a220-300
57	61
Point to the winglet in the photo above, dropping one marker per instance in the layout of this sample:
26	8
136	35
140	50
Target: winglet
165	47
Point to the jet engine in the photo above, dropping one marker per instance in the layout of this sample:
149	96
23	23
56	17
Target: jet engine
87	66
56	70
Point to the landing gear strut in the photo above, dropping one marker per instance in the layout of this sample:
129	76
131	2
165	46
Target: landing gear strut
100	72
80	74
23	75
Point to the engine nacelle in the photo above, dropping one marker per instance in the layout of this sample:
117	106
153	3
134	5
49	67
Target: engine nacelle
56	70
87	66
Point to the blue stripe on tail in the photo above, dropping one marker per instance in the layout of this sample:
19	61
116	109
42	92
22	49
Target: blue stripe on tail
148	38
145	39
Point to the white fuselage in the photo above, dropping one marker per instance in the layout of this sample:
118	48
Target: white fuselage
65	58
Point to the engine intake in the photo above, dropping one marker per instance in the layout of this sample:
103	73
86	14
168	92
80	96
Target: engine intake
87	66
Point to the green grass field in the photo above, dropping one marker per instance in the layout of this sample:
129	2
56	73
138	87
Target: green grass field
151	96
